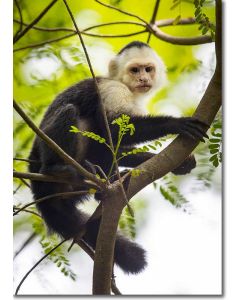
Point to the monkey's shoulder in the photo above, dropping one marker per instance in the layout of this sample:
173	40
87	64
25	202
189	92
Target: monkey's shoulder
112	88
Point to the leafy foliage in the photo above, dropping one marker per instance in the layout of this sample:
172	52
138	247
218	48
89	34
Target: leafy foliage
47	242
127	223
145	148
88	134
215	143
171	192
124	126
203	19
58	256
205	171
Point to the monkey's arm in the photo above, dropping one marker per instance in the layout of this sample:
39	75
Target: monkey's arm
149	128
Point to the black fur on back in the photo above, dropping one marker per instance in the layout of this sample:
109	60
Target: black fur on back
134	44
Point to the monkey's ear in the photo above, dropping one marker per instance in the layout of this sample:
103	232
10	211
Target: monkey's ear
113	68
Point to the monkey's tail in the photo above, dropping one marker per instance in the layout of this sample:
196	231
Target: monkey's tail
63	217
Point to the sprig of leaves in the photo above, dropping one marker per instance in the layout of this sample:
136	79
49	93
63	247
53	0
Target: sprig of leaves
202	18
127	223
171	192
57	257
143	149
88	134
124	125
48	242
124	128
215	143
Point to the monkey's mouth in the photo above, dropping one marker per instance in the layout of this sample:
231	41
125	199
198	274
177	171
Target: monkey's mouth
143	87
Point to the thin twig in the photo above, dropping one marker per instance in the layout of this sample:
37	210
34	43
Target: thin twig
20	16
54	146
38	177
17	188
45	42
96	215
23	180
154	15
27	241
103	111
36	264
83	30
32	212
64	29
26	160
73	34
123	12
65	195
35	21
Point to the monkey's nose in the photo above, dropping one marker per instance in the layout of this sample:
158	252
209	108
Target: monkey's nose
143	80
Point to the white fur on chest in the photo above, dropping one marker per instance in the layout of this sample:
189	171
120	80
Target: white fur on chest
117	99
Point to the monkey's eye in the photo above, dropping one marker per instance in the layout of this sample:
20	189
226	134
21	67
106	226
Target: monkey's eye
134	70
148	69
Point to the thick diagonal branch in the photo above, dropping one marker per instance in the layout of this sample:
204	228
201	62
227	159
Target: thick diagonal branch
152	169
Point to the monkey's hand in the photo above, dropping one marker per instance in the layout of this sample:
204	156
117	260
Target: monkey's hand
192	128
186	166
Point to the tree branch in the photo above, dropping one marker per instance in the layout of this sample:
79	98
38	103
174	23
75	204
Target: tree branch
197	40
123	12
153	18
73	34
65	195
170	22
21	18
38	177
35	21
36	264
91	253
27	241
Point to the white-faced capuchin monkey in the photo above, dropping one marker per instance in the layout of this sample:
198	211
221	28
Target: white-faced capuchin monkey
134	73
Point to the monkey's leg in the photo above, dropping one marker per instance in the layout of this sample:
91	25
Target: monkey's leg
186	166
133	161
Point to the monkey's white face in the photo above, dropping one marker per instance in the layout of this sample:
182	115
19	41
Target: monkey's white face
139	77
141	70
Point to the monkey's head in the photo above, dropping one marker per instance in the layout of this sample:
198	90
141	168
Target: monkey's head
139	67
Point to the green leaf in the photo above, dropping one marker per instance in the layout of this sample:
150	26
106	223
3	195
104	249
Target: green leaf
213	146
152	147
213	157
74	129
205	30
214	140
213	151
215	163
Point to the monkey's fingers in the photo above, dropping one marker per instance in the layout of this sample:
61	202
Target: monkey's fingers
193	133
198	126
